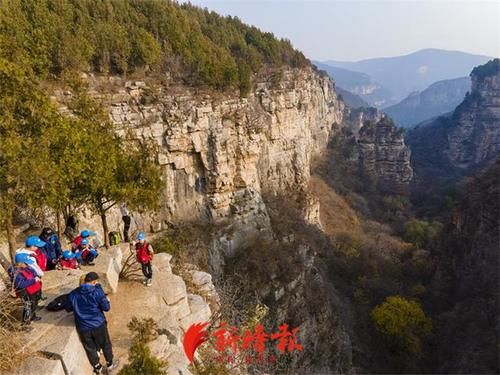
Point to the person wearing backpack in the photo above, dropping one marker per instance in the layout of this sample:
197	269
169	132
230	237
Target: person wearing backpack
27	286
33	247
88	303
144	254
53	248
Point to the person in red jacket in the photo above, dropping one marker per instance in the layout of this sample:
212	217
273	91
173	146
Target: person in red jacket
68	261
77	241
27	286
144	253
41	259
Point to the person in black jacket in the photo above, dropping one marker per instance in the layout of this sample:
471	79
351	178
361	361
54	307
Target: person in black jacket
88	302
53	248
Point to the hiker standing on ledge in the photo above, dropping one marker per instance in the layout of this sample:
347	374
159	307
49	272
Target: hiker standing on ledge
126	221
88	302
144	253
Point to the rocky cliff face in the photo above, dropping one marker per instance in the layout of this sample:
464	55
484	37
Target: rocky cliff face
220	153
475	138
450	147
470	136
384	156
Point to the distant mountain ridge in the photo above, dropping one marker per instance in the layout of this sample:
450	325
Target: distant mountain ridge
359	84
352	100
402	75
439	98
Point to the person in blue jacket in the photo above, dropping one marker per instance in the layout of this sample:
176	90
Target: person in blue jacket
88	303
53	248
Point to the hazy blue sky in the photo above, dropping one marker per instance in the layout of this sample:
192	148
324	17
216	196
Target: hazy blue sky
358	29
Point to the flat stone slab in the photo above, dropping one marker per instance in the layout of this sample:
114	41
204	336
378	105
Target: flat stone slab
40	366
62	341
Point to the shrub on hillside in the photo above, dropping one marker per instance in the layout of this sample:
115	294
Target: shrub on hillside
402	322
421	233
140	359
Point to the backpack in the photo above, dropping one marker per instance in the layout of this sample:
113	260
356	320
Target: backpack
58	303
114	238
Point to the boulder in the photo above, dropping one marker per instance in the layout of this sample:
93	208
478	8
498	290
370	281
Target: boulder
161	262
200	278
200	311
172	290
108	267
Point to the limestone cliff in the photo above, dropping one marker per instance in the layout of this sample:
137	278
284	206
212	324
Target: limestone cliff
469	137
475	136
450	147
219	153
356	118
384	156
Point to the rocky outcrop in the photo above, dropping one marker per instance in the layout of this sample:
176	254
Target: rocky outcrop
475	136
356	118
54	347
384	156
450	147
469	138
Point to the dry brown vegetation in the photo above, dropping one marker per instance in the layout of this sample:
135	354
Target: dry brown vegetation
351	232
10	333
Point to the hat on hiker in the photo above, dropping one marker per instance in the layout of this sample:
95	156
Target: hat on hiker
24	258
34	241
141	236
68	254
86	233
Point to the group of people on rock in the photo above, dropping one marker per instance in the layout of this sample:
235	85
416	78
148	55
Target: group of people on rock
88	302
40	254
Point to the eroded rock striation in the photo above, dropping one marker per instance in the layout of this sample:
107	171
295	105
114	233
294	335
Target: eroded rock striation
384	156
467	139
220	153
475	136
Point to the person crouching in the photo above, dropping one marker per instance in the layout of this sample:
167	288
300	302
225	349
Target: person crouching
68	261
144	253
86	253
27	286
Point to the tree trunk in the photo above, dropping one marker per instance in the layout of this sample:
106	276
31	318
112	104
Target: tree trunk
105	228
10	236
58	223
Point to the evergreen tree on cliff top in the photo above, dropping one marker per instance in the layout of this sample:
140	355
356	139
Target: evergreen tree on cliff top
112	168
